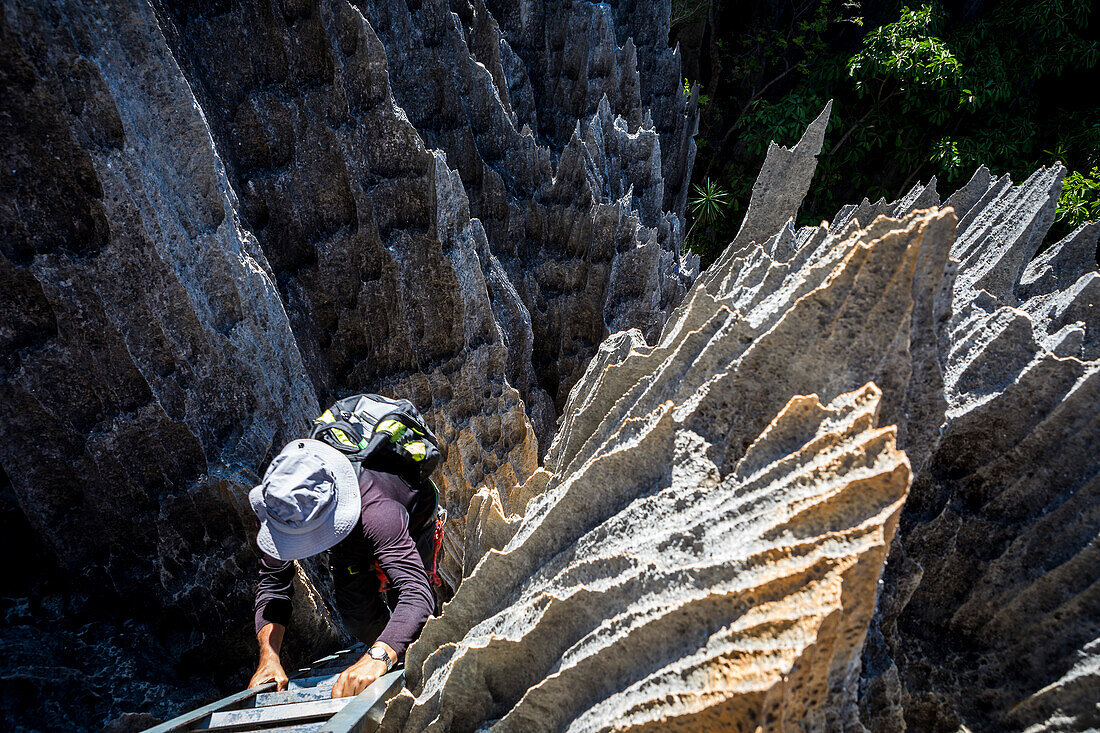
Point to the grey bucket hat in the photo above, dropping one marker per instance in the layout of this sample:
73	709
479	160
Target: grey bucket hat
307	502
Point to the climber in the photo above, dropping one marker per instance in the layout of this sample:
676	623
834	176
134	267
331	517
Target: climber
381	528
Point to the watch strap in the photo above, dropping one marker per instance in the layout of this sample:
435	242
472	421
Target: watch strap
379	653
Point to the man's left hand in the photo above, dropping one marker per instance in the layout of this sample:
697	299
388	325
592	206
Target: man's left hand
358	677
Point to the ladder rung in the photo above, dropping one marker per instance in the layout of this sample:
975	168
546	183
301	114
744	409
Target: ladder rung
303	695
306	707
190	718
331	657
330	669
291	713
332	663
365	711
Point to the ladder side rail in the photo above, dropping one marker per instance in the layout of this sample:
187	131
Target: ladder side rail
187	719
364	713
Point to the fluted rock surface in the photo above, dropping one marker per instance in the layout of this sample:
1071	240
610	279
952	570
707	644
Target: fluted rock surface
148	362
783	182
667	514
649	585
991	609
216	217
988	615
580	193
369	232
984	357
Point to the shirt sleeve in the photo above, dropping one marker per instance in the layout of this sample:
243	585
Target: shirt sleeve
274	592
386	528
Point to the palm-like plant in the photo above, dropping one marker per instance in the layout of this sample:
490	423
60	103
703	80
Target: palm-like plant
709	204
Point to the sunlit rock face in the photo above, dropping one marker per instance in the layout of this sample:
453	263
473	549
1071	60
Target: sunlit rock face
651	585
707	535
593	605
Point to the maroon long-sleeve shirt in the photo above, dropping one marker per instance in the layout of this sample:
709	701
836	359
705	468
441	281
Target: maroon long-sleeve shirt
387	502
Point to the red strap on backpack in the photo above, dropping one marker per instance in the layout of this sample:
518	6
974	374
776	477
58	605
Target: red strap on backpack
437	540
434	577
383	581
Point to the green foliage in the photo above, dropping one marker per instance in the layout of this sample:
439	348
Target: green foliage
709	202
906	54
711	205
919	93
1080	199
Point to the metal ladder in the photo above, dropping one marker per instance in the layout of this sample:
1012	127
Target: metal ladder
305	706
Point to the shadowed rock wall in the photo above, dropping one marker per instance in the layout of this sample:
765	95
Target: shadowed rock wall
580	193
148	368
217	218
372	245
991	606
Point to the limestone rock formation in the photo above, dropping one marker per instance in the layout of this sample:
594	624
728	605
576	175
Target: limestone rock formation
542	115
218	217
987	616
148	362
379	263
665	506
991	608
783	182
743	602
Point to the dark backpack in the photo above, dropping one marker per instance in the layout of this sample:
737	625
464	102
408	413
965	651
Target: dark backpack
381	434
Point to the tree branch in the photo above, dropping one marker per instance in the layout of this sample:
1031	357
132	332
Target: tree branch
755	95
860	121
901	191
689	14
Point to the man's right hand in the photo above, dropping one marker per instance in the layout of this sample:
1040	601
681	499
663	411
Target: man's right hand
268	671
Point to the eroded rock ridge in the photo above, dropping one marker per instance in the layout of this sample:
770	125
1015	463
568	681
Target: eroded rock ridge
611	602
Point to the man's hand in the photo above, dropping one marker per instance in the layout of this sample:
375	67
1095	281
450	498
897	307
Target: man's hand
270	669
360	675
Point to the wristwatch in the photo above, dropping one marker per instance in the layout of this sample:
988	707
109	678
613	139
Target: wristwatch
377	652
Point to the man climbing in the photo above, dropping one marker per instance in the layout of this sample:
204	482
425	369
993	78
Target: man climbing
380	528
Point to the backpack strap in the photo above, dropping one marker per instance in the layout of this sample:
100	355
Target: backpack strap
434	578
346	437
